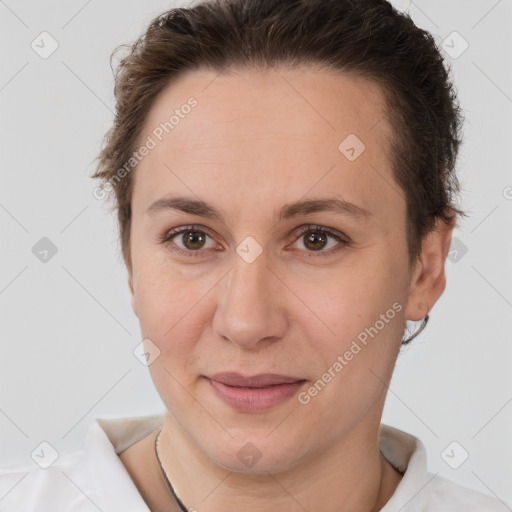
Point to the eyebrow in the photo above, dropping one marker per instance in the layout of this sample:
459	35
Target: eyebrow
288	211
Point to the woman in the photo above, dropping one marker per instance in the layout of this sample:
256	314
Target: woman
283	174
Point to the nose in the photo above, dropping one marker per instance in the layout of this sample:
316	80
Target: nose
251	305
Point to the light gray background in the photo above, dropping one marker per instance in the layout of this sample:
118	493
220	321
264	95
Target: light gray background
67	329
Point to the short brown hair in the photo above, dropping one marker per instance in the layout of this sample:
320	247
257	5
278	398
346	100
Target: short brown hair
368	38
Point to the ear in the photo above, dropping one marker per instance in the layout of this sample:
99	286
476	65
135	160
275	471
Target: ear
429	280
132	295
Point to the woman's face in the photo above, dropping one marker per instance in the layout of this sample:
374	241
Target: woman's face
255	287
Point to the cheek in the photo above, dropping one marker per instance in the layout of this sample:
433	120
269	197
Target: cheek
172	309
173	315
351	299
353	363
362	311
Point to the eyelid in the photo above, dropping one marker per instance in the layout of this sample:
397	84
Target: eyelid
316	227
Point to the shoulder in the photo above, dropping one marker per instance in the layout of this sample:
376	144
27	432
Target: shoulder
444	495
421	490
88	480
28	487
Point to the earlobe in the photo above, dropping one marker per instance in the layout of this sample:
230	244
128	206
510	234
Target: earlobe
416	309
429	279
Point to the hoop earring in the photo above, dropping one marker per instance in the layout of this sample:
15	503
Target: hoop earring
422	326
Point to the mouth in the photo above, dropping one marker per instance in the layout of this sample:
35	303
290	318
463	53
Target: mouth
256	393
256	381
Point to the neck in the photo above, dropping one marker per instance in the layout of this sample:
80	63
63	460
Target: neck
352	475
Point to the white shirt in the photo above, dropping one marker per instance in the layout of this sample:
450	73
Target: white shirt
96	480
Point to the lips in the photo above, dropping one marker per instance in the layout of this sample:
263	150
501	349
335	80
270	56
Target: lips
256	381
254	394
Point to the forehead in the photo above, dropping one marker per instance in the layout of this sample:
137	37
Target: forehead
287	130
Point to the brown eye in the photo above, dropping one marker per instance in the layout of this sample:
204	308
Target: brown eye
188	241
193	240
315	240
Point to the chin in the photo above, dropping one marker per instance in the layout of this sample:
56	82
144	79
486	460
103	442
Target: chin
257	456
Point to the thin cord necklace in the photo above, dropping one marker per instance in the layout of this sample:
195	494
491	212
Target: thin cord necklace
173	492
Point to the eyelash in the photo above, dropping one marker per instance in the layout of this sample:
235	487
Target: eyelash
343	242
